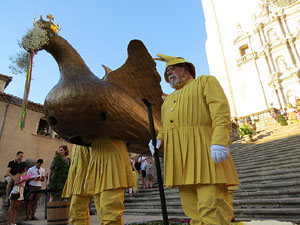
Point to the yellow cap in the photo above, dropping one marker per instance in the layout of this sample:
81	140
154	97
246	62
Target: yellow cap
173	60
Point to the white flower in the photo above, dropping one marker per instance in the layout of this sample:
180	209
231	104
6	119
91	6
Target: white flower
35	39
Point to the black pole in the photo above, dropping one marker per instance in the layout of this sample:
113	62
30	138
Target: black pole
157	163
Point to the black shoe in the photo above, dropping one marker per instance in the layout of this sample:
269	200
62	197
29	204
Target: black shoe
34	218
92	212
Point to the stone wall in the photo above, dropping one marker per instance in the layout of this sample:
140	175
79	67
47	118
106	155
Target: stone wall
13	139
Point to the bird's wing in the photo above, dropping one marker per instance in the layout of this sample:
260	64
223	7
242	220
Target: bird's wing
138	76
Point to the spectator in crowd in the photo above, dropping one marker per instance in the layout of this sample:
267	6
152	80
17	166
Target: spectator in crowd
130	189
19	184
136	168
12	170
35	184
149	174
143	161
283	112
298	109
298	105
64	151
291	113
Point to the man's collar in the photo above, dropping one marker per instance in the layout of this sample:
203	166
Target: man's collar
17	161
182	84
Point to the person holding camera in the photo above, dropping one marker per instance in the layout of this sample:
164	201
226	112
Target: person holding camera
35	184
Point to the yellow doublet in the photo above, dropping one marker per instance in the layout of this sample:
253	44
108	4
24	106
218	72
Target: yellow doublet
77	172
195	117
109	166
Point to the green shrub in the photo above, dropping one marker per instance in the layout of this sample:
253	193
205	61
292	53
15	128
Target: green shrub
282	120
245	130
60	174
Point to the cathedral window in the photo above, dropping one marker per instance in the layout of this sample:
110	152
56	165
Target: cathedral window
281	64
272	35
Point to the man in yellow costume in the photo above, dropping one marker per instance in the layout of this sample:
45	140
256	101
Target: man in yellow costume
195	136
103	172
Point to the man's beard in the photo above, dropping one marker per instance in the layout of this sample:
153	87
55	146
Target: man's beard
176	81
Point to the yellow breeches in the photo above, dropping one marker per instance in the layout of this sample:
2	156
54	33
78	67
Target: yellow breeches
136	178
79	210
206	204
230	200
109	205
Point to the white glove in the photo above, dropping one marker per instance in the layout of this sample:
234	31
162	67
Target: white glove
219	153
151	147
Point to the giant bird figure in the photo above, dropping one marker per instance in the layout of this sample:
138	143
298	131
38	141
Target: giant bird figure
81	107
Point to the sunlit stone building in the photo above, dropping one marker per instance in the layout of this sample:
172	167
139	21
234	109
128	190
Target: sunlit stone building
253	48
36	140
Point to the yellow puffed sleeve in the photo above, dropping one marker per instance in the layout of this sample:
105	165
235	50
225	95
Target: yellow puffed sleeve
219	111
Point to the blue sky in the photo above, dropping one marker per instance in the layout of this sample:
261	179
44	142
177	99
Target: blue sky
100	31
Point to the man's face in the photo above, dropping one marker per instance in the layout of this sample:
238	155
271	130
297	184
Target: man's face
175	75
38	165
19	157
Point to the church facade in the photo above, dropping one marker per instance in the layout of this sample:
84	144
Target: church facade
253	48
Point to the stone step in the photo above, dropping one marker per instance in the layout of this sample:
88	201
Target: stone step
157	212
266	141
270	175
271	178
292	214
292	163
138	197
275	194
269	186
266	154
266	157
153	205
267	203
267	165
154	192
269	139
238	204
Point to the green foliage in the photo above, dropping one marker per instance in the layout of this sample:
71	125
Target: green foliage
245	129
60	174
282	120
19	62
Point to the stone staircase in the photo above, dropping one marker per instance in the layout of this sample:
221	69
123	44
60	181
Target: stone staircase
269	172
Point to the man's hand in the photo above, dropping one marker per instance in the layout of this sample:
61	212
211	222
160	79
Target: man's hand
151	147
219	153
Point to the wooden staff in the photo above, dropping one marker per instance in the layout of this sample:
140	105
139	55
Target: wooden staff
157	163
